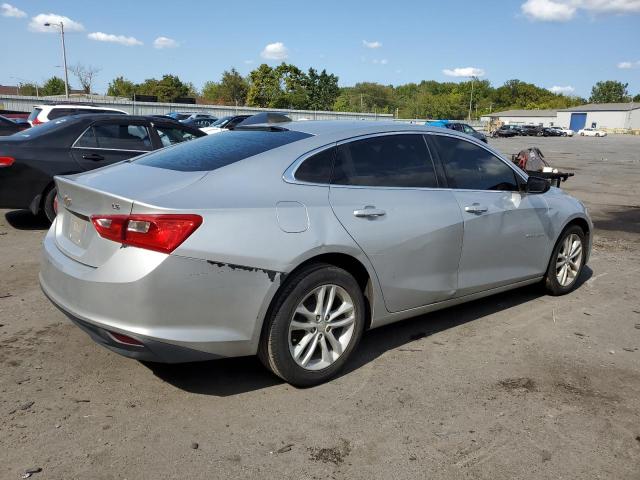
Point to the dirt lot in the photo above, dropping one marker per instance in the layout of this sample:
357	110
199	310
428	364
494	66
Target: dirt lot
519	385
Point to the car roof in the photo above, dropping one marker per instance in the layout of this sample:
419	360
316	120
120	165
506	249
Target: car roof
73	105
349	128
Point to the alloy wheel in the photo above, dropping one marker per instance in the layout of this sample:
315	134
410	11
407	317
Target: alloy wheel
569	260
321	327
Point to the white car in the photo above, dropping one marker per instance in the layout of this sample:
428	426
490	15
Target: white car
44	113
566	132
592	132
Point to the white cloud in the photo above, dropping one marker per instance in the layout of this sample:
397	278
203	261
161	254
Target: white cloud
37	23
464	72
565	10
11	11
110	38
382	61
165	42
628	65
374	44
275	51
566	90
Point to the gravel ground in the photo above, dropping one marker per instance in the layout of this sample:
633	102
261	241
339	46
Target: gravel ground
519	385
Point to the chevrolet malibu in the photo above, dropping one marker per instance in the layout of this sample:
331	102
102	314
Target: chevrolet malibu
290	241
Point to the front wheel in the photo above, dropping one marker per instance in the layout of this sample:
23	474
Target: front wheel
567	262
315	324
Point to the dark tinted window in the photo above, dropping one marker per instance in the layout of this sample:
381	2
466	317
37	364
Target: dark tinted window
215	151
61	112
385	161
122	136
317	168
470	167
87	140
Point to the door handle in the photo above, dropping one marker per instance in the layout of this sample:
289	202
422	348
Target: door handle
475	208
92	156
369	212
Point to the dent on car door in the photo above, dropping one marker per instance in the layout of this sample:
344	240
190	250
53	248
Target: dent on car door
384	191
104	143
506	231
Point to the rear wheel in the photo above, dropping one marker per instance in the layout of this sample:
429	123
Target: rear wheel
315	324
49	204
567	262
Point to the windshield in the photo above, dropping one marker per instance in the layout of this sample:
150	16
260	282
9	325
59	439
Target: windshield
44	128
221	122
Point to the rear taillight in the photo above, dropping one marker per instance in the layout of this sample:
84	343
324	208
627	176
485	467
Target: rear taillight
6	161
162	233
125	339
35	122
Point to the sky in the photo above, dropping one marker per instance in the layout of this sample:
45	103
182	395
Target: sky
563	45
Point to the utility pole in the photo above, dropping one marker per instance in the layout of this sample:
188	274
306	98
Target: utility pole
471	100
64	56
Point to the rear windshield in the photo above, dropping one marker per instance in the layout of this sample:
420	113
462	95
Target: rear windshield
219	150
34	113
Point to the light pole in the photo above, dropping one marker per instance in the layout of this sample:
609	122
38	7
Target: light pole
64	56
471	100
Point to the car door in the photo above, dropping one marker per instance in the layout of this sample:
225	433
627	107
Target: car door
384	191
506	231
110	141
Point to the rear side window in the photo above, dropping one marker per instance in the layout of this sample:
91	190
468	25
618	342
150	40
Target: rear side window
87	139
216	151
317	168
122	136
470	167
61	112
385	161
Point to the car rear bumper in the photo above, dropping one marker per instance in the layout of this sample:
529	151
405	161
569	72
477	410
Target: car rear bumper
180	309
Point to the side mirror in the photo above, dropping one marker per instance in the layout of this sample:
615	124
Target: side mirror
537	185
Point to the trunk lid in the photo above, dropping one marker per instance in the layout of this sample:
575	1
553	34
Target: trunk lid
106	191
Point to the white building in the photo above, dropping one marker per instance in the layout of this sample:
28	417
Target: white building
544	118
606	116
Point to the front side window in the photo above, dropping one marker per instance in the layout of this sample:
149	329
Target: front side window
87	139
470	167
171	135
122	136
400	160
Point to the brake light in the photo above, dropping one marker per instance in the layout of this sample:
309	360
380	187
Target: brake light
162	233
6	161
35	121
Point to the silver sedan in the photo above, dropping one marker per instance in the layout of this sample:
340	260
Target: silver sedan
289	240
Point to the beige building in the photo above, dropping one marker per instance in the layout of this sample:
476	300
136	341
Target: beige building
605	116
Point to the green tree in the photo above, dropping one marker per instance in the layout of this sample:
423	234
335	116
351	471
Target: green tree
636	98
121	87
322	89
53	86
264	86
31	89
231	90
609	91
167	89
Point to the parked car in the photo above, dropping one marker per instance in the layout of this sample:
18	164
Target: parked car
224	123
459	127
45	113
179	115
30	159
551	132
289	240
532	130
566	132
9	126
504	131
200	121
592	132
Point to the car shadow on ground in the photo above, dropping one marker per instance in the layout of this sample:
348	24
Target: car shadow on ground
25	220
233	376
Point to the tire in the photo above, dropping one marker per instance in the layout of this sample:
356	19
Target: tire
279	342
48	206
553	284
